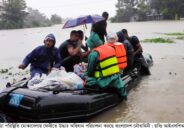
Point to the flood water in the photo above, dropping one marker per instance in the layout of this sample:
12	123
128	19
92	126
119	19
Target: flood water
157	98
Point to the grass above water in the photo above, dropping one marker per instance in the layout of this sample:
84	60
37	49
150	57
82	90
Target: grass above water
180	38
179	35
175	34
158	40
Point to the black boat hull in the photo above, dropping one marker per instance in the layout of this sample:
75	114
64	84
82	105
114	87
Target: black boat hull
19	104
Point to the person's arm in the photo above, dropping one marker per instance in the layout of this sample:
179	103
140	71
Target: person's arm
136	42
74	51
139	50
129	47
61	47
57	59
84	47
28	59
84	54
105	28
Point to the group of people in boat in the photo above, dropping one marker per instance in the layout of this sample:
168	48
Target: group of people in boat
106	59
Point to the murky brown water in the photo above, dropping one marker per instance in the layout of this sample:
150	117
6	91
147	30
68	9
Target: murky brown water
157	98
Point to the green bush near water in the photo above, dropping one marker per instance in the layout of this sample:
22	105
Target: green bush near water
158	40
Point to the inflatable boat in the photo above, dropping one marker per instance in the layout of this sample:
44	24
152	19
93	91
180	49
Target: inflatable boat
20	104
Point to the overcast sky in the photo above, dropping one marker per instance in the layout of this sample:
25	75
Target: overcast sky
73	8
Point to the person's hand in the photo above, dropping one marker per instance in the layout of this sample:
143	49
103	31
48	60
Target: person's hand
89	52
80	42
22	66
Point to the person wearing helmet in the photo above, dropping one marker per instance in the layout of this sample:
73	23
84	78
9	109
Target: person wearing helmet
43	58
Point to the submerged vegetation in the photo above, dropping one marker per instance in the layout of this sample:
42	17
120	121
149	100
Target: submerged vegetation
6	71
180	37
3	71
172	36
175	34
158	40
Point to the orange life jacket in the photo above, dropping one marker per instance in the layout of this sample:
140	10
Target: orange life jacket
120	54
108	64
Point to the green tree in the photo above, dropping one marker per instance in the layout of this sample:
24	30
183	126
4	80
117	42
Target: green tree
36	19
55	19
126	9
13	14
171	9
142	9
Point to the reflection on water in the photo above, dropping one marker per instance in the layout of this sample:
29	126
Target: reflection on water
157	98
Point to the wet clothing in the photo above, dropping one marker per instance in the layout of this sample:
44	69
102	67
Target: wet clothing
128	46
129	50
130	57
50	37
68	61
85	48
134	41
121	37
93	61
42	60
64	47
94	40
100	29
113	80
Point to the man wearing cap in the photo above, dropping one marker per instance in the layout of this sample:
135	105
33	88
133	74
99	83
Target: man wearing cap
43	58
103	70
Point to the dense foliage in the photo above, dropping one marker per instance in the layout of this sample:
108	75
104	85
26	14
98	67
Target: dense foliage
15	14
128	10
55	19
36	19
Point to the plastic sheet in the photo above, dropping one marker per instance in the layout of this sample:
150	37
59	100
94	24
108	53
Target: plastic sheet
57	79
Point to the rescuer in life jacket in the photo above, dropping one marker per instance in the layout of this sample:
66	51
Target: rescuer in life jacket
119	50
103	70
